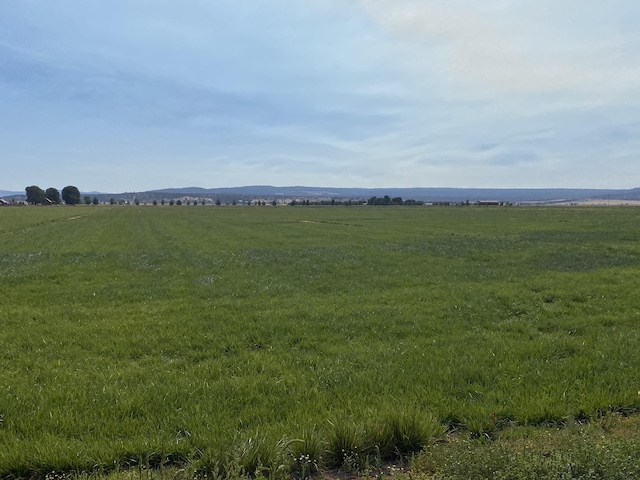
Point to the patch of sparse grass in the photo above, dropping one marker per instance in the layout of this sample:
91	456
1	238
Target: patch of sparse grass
608	448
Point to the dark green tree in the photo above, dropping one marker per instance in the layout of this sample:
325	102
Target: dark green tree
112	201
71	195
54	195
218	202
95	201
35	195
178	202
386	200
155	202
87	200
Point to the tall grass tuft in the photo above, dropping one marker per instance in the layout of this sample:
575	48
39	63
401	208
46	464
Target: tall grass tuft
260	456
400	434
411	432
345	446
306	453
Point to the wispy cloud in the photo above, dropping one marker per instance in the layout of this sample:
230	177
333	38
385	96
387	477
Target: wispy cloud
511	48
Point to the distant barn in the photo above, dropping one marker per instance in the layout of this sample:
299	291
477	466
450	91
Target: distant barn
489	203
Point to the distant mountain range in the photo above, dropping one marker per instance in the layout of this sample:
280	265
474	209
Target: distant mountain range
265	192
513	195
7	193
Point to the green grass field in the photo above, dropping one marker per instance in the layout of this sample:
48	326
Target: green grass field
239	337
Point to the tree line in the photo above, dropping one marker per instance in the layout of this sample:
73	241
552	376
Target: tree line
37	196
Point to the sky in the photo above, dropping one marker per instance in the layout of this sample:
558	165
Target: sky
134	95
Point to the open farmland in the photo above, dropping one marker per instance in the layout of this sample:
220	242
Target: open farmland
212	333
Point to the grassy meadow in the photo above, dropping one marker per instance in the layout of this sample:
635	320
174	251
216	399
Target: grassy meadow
290	338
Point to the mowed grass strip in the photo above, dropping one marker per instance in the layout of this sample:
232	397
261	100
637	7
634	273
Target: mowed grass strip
214	334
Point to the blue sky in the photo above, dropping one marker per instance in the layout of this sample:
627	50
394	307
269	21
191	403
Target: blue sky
131	95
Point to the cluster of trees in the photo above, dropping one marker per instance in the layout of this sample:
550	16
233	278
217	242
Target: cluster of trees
70	195
386	200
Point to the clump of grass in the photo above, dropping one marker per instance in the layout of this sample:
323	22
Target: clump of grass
413	431
345	447
260	455
306	453
400	434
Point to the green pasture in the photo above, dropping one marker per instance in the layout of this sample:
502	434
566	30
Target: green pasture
248	337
